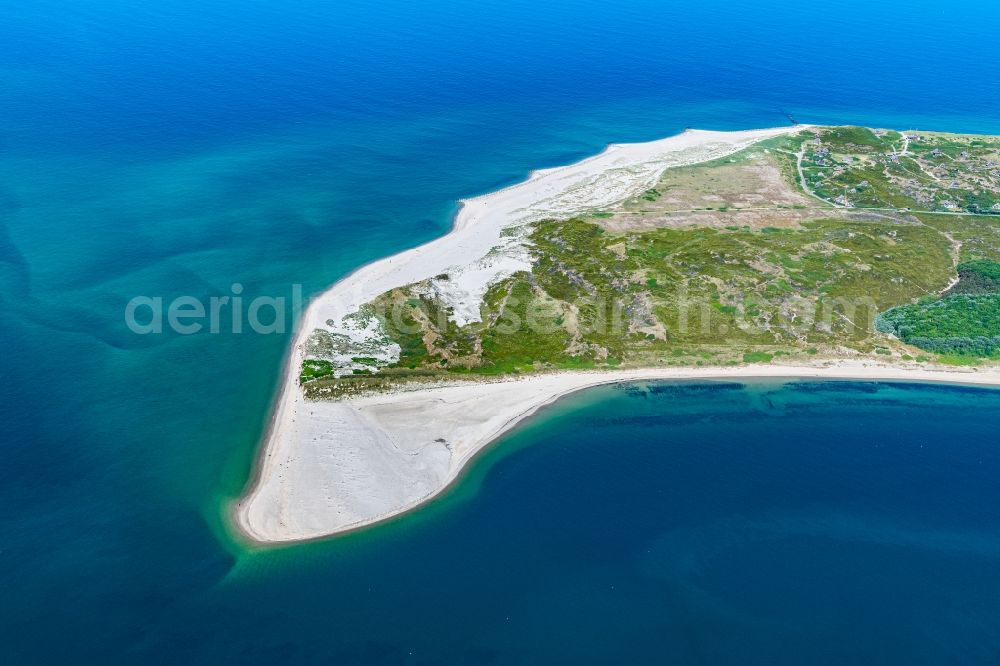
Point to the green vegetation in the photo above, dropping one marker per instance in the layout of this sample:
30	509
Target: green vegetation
314	369
964	323
957	325
981	276
764	271
598	299
860	168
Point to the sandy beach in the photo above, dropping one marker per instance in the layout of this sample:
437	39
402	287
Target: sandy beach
355	463
328	467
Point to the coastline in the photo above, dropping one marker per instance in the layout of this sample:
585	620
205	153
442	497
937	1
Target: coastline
326	468
478	405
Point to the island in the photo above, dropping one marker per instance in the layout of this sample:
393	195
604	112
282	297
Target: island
800	251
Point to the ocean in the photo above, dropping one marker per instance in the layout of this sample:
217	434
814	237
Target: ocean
166	149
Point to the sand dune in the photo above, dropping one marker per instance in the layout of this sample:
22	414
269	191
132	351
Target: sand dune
329	467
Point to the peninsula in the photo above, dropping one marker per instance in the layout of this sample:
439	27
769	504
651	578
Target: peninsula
824	252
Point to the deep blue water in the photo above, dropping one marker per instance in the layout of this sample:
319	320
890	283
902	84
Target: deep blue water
176	148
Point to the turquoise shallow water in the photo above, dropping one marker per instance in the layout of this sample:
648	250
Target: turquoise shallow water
176	149
695	523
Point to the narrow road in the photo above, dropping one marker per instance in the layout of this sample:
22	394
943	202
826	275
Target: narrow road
799	156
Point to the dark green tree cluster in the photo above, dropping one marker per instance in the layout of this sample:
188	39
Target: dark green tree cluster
965	322
981	276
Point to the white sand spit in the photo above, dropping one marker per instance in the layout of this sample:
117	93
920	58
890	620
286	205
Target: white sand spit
327	467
